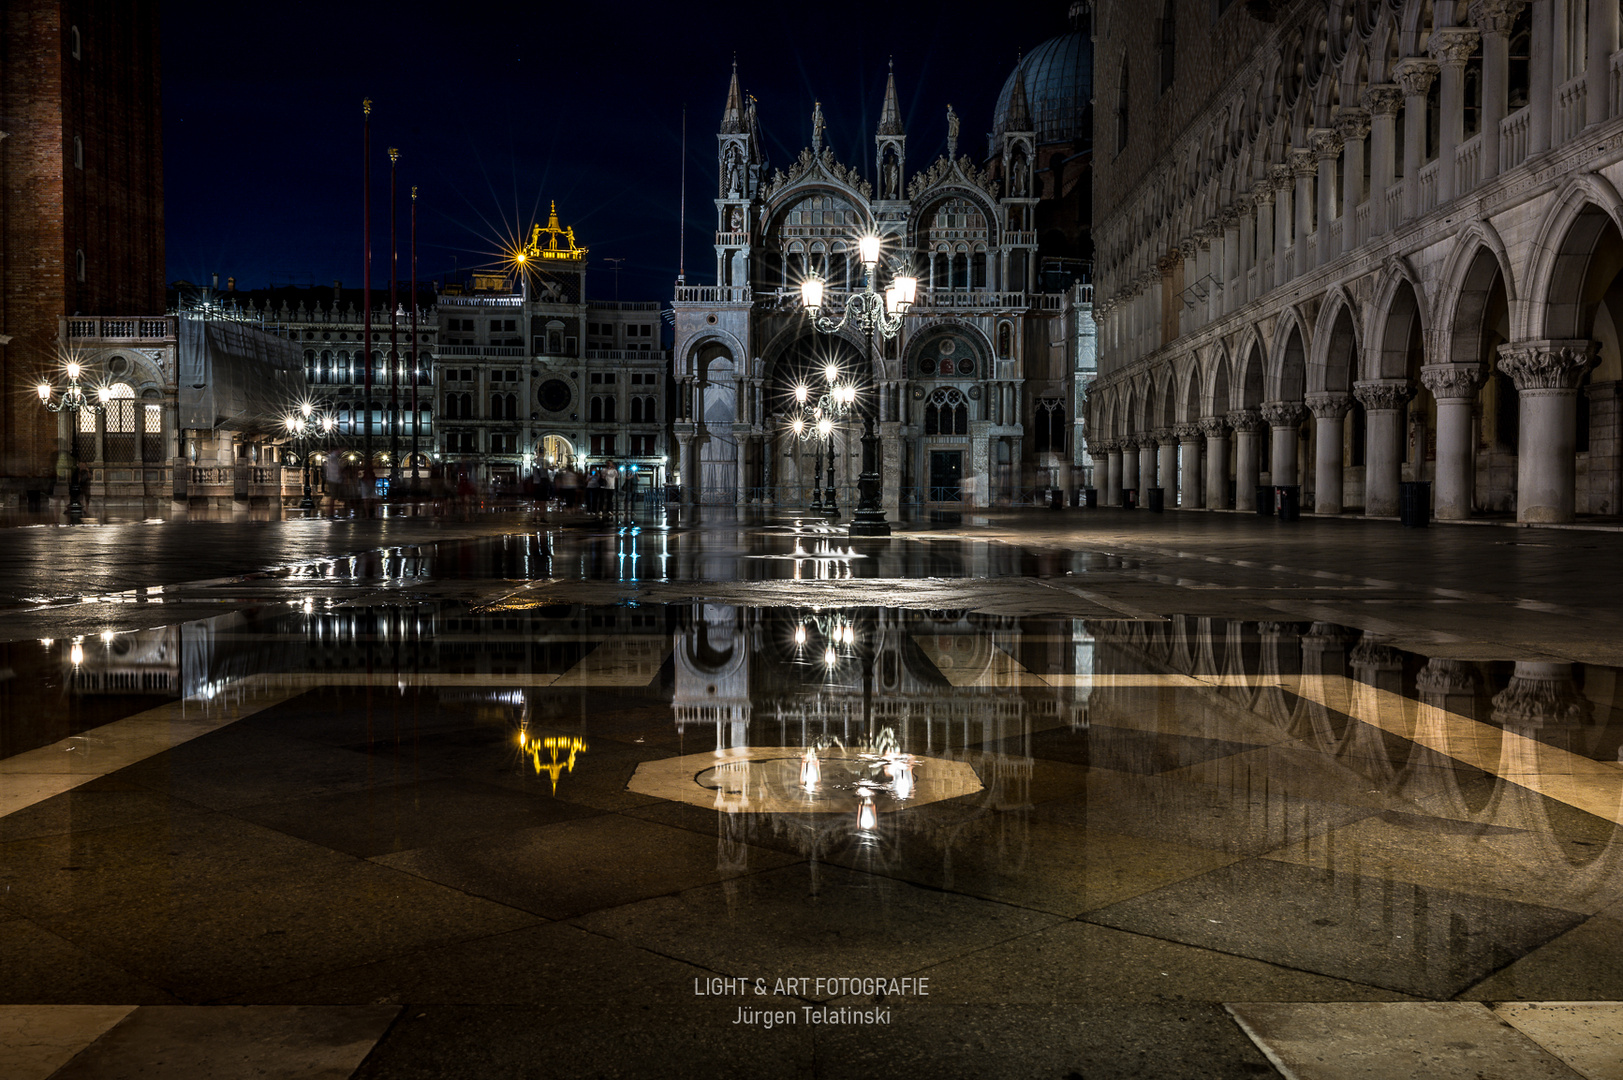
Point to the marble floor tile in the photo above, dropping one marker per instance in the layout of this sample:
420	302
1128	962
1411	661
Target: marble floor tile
273	1042
37	1040
1583	964
809	920
1120	749
41	968
1416	939
1431	1040
559	871
1587	1035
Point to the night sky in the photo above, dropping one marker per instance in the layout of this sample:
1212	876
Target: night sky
498	108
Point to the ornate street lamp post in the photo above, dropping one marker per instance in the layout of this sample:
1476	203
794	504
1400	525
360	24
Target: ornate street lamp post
872	312
73	401
301	427
817	422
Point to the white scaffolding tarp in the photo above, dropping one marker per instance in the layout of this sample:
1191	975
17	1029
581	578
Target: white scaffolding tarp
236	376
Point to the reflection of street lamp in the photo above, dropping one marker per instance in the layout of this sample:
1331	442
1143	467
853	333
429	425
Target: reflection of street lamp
73	401
872	312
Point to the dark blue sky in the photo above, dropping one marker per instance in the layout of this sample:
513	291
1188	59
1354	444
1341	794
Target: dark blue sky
498	108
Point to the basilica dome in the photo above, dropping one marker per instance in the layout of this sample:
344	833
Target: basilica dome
1059	86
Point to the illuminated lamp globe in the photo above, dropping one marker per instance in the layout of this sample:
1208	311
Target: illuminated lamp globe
907	290
802	392
44	389
824	426
73	370
811	294
869	247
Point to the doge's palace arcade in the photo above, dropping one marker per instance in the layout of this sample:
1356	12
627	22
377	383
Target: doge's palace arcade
1348	245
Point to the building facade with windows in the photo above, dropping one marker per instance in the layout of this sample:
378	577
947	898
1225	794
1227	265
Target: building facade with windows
975	400
1351	245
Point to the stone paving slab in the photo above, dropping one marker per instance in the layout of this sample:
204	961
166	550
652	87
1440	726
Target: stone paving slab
37	1040
262	1042
1587	1035
1428	1040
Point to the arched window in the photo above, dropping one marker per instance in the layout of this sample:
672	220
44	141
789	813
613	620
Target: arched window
1166	38
78	152
979	280
79	264
498	409
938	274
73	43
1121	108
960	270
636	410
151	428
1005	341
1050	426
650	411
120	411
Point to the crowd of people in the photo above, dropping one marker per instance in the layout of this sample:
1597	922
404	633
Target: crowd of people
599	489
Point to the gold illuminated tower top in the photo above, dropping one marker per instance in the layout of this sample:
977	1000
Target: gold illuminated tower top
560	243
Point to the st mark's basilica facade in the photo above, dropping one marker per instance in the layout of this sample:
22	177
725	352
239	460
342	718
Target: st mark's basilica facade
976	399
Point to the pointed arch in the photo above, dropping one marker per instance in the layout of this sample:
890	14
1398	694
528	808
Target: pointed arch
1285	378
1402	294
1566	238
1333	360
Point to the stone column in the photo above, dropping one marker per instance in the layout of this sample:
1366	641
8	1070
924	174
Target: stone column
1415	75
1383	101
1229	218
1247	424
1329	415
1190	479
1249	215
1284	420
1129	465
1216	430
1383	459
1602	44
1494	19
1282	181
1455	387
684	466
1146	466
1352	125
1113	473
1326	149
1166	464
1546	374
1451	47
1101	470
1541	80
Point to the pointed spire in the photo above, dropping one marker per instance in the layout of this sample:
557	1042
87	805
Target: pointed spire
890	117
732	117
1019	110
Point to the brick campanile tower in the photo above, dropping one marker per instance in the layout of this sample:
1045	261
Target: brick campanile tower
81	197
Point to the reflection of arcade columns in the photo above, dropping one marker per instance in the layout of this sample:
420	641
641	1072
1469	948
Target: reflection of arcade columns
1377	686
712	674
1281	660
1450	685
1325	685
1542	699
1329	412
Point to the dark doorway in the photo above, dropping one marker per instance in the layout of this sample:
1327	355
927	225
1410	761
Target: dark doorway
946	476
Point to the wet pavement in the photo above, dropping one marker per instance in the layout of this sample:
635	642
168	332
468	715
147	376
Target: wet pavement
1027	795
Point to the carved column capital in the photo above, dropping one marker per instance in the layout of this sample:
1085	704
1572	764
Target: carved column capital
1168	262
1126	443
1260	196
1352	124
1541	695
1415	74
1545	364
1213	427
1447	677
1186	432
1245	420
1453	45
1495	16
1383	394
1283	414
1163	436
1326	143
1187	247
1451	381
1329	405
1280	177
1382	99
1228	217
1303	163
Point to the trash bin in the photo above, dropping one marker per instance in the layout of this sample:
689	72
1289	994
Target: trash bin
1056	498
1157	499
1129	498
1414	503
1265	501
1288	502
1090	498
